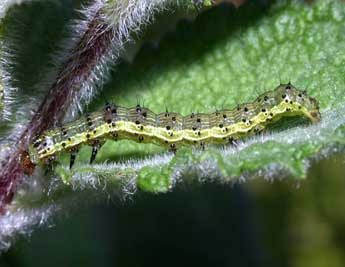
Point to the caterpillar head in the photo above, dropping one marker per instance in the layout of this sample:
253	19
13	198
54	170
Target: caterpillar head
311	106
308	105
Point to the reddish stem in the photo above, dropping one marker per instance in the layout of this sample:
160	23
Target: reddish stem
77	69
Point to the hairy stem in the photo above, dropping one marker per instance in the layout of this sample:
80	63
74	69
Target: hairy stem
74	71
109	25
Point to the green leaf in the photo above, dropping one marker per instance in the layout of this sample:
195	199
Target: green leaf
229	56
224	57
154	180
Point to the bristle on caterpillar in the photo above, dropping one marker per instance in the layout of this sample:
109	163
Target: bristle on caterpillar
171	129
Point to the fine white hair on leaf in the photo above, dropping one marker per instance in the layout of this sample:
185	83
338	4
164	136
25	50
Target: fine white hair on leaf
123	19
96	42
126	18
86	176
22	221
118	21
6	4
15	108
96	182
7	90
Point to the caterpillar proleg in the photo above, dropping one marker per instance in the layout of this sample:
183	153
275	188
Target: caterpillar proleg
171	129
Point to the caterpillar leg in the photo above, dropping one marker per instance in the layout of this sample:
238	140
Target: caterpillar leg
173	148
93	154
233	141
74	153
96	145
50	165
259	129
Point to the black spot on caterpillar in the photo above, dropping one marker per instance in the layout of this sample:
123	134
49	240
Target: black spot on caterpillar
171	129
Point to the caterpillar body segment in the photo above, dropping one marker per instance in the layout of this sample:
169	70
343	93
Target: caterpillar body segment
173	130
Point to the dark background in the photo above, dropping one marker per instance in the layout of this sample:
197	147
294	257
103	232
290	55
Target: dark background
259	223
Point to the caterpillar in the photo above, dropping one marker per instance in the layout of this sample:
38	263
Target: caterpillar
171	129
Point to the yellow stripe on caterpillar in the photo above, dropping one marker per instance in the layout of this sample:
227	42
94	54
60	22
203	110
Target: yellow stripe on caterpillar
171	129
